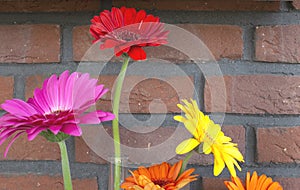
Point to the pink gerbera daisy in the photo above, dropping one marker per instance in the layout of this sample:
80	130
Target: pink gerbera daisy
128	31
58	107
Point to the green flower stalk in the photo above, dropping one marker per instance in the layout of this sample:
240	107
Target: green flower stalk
116	131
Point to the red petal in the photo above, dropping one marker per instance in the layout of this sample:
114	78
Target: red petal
117	17
129	16
137	53
140	16
106	21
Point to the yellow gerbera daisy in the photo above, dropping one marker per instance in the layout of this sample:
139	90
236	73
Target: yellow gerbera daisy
213	140
253	183
225	152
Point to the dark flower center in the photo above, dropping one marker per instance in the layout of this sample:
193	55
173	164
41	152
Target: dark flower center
126	35
161	182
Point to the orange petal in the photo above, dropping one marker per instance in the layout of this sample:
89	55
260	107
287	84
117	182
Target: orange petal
253	181
238	183
275	186
261	180
266	183
248	180
174	171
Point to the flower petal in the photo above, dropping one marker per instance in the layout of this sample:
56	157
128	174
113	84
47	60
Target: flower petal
187	146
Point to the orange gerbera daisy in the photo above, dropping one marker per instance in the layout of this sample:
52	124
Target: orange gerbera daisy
159	177
253	183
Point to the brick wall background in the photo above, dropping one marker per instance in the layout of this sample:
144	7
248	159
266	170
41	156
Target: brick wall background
256	45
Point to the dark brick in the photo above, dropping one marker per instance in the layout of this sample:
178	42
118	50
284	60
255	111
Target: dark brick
288	183
253	94
30	43
218	39
211	5
37	149
214	183
296	4
278	144
6	88
149	95
49	6
35	182
278	43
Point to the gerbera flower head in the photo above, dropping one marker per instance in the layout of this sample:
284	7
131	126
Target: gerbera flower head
209	135
253	183
159	177
127	31
55	111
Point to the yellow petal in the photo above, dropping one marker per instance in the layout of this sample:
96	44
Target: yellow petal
187	146
218	162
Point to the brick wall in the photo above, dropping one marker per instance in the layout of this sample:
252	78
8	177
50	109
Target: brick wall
256	45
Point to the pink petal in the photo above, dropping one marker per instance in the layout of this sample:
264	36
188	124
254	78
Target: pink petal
11	142
90	118
105	116
55	129
31	134
19	108
71	129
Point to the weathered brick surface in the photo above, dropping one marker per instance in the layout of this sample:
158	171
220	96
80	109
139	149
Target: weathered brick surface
138	95
214	183
134	138
37	149
35	182
278	144
288	183
6	88
30	43
253	94
150	137
278	43
218	39
211	5
296	4
49	6
149	95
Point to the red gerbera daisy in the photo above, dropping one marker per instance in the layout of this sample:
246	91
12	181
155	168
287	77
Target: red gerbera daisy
128	31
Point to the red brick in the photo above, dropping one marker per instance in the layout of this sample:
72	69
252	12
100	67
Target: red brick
288	183
138	95
237	133
82	41
35	182
6	88
149	95
214	183
278	43
83	153
278	144
49	6
30	43
218	39
253	94
135	138
38	149
211	5
296	4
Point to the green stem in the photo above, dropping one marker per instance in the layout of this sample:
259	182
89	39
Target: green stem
65	166
115	123
186	161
